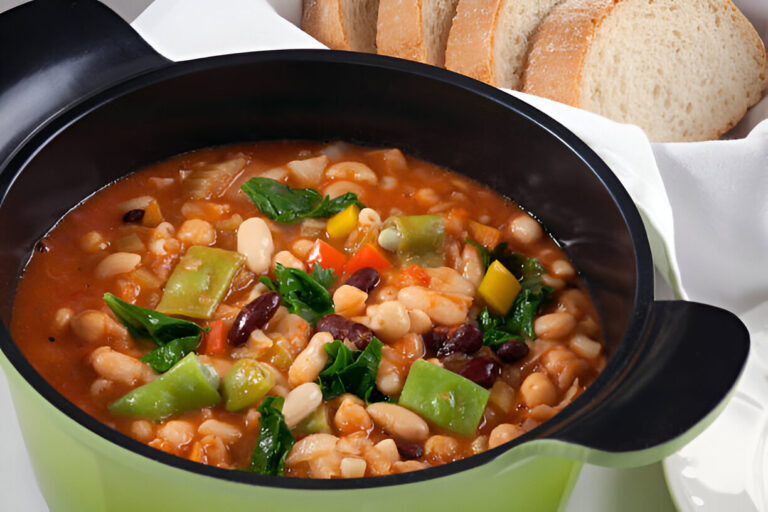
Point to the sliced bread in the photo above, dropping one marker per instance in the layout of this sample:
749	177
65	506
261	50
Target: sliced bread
415	29
342	24
489	38
681	70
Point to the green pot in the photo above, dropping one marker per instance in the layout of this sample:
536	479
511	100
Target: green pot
95	102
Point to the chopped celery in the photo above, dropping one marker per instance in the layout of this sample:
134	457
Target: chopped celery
187	386
199	282
317	422
417	238
443	397
245	384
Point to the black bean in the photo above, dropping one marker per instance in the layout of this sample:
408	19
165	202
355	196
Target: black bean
481	370
365	279
134	215
512	351
409	451
466	339
342	328
436	337
254	315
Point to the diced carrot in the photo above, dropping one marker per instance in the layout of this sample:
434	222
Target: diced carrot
486	236
326	256
414	276
196	453
215	340
367	256
152	215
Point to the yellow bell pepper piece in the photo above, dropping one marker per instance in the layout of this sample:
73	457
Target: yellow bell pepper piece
344	222
499	288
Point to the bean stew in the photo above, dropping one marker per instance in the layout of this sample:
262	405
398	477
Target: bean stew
310	310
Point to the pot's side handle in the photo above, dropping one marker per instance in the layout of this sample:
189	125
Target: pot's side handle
55	52
692	357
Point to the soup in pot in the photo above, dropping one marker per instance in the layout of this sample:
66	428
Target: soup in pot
306	309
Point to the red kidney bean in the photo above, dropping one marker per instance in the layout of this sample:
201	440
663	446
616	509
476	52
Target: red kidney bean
409	451
481	370
512	351
466	339
133	216
365	279
436	337
341	328
254	315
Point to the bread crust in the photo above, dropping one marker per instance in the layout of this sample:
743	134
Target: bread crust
559	48
323	20
560	45
470	41
400	31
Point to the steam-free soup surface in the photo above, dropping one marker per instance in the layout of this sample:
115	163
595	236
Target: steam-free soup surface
411	319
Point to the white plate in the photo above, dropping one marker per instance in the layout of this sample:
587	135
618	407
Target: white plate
726	467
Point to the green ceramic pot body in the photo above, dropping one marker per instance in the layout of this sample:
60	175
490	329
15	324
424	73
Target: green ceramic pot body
79	471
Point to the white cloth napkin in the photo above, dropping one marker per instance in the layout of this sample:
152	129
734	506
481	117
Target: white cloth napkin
704	204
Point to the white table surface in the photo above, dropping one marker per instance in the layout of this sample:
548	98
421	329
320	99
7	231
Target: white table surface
597	490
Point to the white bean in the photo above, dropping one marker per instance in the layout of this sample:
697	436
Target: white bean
442	308
389	320
177	432
504	433
399	421
254	241
287	259
225	431
355	171
301	402
420	322
117	263
554	325
470	266
117	367
537	389
525	229
349	301
95	326
311	361
312	447
448	280
197	232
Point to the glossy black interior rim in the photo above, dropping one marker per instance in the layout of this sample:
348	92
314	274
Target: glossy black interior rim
642	299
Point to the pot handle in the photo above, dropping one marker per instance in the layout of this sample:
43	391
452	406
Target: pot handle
55	52
690	359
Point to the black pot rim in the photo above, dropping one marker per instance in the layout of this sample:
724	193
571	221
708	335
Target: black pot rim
643	298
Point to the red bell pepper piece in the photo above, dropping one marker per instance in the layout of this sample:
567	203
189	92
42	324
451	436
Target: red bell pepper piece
367	256
327	257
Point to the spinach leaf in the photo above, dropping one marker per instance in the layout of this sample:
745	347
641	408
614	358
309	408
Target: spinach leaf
324	276
145	323
493	330
523	268
164	357
303	294
285	204
351	371
275	439
527	303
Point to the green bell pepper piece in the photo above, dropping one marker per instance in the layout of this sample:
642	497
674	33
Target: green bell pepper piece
421	238
245	384
199	282
443	397
187	386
